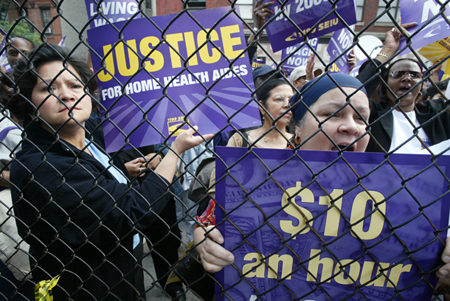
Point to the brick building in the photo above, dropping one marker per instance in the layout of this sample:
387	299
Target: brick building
42	13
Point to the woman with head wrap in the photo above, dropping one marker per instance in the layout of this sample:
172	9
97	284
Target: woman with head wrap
397	117
331	114
325	120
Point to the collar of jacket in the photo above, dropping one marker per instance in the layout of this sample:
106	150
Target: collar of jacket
37	137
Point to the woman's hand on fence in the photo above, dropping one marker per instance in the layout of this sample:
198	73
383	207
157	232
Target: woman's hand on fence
214	257
186	140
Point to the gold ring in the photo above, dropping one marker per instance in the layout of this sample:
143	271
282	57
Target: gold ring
393	29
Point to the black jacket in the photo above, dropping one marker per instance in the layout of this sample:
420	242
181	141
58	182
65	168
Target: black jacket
78	220
433	116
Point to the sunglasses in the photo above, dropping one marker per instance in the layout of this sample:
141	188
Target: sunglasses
412	74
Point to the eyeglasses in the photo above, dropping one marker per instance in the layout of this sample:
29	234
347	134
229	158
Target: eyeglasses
401	73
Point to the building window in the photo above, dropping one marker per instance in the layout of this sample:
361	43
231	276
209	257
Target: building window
46	16
149	7
394	10
359	10
195	4
4	11
246	9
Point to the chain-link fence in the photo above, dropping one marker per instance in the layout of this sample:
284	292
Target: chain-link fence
77	223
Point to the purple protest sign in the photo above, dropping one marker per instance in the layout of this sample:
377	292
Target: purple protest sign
339	44
111	10
258	62
298	54
305	227
160	93
421	11
306	14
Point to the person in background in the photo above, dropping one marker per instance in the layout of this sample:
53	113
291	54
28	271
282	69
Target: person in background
303	74
436	92
14	264
264	72
18	47
398	116
260	12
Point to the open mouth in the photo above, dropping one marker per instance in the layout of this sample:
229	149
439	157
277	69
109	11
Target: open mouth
403	90
344	148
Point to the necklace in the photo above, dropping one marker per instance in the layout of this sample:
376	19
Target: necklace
267	139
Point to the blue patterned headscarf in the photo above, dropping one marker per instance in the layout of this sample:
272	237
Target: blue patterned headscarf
316	88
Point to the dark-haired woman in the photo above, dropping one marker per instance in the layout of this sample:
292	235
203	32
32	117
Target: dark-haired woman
273	97
395	118
74	204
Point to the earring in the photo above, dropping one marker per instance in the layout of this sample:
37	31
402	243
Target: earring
298	140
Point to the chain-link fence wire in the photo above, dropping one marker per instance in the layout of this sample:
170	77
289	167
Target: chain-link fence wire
85	230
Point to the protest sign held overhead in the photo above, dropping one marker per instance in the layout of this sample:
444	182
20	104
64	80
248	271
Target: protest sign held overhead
437	52
111	11
148	91
431	25
298	54
340	43
307	15
330	226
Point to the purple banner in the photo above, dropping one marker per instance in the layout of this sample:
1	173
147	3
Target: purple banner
340	43
306	14
150	90
318	227
421	11
111	10
298	54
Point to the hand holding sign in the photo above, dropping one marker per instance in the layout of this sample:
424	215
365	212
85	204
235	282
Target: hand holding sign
392	40
444	272
261	12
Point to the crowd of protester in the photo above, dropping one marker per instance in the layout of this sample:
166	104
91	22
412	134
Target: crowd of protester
71	210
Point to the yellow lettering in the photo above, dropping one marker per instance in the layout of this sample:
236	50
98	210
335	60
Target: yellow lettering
395	273
155	56
313	267
172	40
334	213
247	268
109	71
341	277
286	266
366	274
290	207
190	47
132	57
203	45
229	42
376	218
